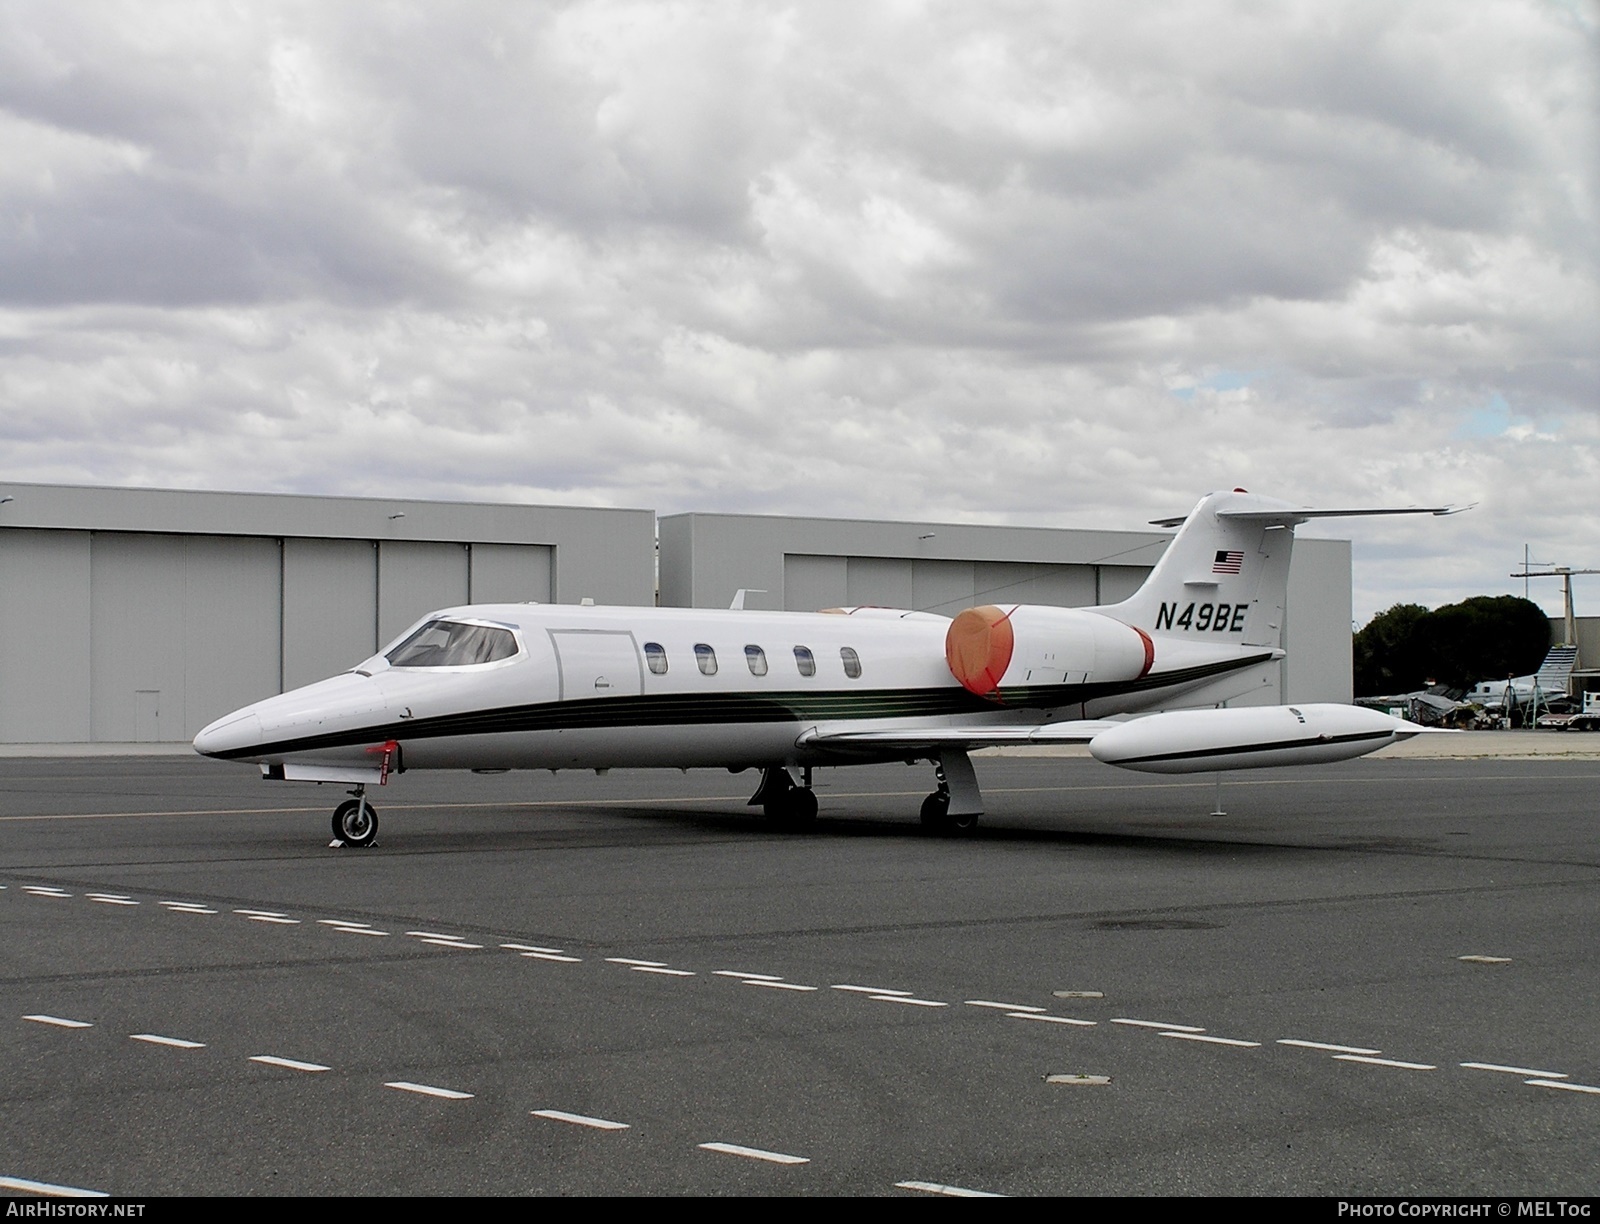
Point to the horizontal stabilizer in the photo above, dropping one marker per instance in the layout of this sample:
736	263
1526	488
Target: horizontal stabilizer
1290	516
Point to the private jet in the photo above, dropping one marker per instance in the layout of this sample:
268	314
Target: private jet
495	687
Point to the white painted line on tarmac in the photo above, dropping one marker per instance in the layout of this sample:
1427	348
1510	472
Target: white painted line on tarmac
734	1149
947	1191
1326	1046
1485	960
290	1064
1551	1083
437	935
551	956
1052	1019
443	942
637	964
747	977
663	970
276	921
359	931
59	1021
1005	1007
1227	1041
1158	1024
343	923
187	907
1385	1062
111	899
777	985
874	991
252	913
177	1043
907	999
23	1185
1549	1075
532	948
44	890
446	1094
561	1115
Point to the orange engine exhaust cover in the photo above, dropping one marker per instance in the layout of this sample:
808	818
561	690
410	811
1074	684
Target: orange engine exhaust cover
978	648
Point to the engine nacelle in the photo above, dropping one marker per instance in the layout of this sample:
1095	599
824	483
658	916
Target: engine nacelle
1204	741
991	649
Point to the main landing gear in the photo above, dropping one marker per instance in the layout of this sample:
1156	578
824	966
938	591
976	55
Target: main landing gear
955	807
355	821
786	797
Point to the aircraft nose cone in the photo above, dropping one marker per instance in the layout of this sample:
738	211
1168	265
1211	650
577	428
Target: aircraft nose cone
232	733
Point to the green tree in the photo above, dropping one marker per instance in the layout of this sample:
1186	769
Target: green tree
1487	637
1385	654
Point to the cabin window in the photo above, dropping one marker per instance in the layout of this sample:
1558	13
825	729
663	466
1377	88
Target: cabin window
852	662
445	643
706	657
655	658
805	661
757	659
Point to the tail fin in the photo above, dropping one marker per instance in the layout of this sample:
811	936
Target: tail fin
1225	576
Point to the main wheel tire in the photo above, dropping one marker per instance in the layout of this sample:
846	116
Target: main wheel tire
355	823
936	812
961	824
797	809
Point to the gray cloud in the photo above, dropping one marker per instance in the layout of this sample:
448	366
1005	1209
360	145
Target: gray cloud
1032	263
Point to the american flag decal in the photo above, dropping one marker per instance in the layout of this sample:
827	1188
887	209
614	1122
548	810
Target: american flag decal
1228	563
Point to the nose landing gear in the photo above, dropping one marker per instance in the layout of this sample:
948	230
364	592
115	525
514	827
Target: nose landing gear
355	821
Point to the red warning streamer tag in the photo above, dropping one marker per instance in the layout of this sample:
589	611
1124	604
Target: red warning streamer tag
388	749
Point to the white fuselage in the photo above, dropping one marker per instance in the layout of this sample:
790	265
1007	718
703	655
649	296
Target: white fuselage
612	687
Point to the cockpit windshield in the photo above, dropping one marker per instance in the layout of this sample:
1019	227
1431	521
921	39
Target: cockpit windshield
447	643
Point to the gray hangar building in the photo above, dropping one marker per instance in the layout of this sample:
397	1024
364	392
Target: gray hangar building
140	615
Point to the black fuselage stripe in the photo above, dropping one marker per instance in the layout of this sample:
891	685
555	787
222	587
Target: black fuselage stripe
696	709
1274	746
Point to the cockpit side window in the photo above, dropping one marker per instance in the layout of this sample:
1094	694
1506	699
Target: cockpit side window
445	643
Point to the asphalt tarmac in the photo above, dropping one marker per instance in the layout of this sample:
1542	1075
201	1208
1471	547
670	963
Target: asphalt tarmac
1380	977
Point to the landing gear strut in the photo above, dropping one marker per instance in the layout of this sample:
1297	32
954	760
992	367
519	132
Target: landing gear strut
957	804
786	798
355	821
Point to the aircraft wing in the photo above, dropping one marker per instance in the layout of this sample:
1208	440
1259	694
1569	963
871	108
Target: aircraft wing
848	738
1291	516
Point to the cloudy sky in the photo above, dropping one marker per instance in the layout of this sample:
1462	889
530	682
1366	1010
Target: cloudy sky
1061	263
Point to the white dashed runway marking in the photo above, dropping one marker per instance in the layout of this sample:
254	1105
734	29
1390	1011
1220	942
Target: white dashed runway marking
1158	1024
561	1115
288	1064
111	899
908	1000
1385	1062
735	1149
1567	1087
177	1043
445	1094
1005	1007
1052	1019
947	1191
775	985
875	991
1326	1047
1544	1075
24	1186
59	1022
1225	1041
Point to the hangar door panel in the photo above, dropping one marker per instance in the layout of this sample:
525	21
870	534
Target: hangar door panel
183	629
330	607
512	573
1117	582
883	582
416	578
944	587
44	636
811	584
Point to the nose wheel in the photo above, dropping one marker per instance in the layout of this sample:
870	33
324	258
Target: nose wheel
355	822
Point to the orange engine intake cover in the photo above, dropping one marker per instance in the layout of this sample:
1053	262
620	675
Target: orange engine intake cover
978	648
